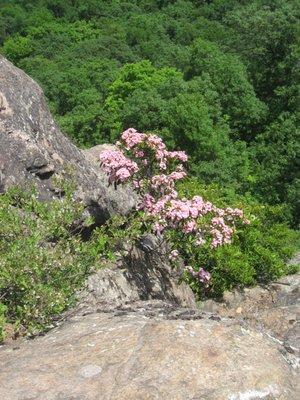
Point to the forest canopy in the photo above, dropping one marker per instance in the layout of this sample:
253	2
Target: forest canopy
218	79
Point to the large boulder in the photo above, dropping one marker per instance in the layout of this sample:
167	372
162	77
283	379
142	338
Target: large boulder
154	352
138	273
34	151
273	309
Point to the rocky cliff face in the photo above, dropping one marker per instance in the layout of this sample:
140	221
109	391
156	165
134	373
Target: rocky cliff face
135	334
151	351
34	151
136	275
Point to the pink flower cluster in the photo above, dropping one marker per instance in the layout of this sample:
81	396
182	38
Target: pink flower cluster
220	231
118	167
178	155
186	215
131	138
174	255
154	171
140	144
201	275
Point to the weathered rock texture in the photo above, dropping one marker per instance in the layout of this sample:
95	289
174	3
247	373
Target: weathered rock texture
34	151
138	274
157	352
273	309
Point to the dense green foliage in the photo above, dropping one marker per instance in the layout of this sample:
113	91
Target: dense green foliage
259	251
42	262
218	79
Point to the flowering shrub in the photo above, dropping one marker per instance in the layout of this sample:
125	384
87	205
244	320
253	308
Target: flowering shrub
144	160
258	253
118	166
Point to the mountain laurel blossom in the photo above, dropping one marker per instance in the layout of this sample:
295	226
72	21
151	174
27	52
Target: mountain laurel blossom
173	255
201	275
118	167
144	160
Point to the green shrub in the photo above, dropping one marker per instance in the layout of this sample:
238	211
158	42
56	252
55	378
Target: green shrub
2	321
17	48
259	251
42	262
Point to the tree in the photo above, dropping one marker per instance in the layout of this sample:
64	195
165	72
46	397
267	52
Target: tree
158	99
238	100
276	155
265	35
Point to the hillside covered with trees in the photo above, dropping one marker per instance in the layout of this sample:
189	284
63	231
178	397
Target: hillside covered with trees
215	78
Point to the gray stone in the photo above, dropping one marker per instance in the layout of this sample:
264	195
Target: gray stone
89	371
140	274
132	355
33	151
93	153
273	309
